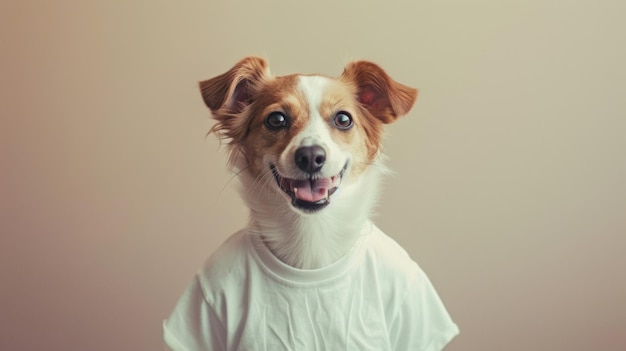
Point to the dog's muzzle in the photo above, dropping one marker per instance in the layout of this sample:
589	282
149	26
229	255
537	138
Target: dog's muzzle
310	194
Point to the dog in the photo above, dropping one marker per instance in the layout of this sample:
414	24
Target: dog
310	271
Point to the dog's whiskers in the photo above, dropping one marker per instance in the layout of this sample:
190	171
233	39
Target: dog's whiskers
235	175
257	189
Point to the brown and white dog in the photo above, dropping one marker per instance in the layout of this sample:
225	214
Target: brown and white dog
307	151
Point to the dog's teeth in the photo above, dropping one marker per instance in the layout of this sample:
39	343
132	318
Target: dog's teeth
295	190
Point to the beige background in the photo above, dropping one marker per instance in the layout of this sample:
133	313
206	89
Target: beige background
511	172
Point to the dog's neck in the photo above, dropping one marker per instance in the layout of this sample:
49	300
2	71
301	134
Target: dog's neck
309	241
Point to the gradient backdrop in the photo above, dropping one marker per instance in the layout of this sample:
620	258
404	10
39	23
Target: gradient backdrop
511	169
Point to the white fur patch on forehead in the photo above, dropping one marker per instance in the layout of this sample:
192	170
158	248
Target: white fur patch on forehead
313	89
317	130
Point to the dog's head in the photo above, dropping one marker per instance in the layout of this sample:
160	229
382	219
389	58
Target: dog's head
309	135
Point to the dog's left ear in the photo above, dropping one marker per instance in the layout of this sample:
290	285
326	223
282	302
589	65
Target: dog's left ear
383	97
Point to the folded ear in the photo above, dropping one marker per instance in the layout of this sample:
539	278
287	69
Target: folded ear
233	90
383	97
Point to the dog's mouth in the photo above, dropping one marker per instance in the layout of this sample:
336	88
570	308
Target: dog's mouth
310	194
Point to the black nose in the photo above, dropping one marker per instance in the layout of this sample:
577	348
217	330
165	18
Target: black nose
310	158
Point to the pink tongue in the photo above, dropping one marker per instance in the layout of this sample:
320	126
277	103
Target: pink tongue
311	191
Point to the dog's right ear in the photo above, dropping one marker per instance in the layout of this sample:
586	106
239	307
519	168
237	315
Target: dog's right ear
227	95
232	91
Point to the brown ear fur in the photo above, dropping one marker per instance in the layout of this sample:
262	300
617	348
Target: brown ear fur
233	88
228	94
383	97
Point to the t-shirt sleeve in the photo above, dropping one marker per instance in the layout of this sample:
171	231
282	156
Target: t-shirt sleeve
194	325
421	321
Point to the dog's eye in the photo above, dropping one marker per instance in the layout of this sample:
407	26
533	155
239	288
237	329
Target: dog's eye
276	120
342	120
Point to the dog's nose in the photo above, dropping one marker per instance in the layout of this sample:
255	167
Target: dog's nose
310	158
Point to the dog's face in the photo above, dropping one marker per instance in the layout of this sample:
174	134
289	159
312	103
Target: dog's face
309	134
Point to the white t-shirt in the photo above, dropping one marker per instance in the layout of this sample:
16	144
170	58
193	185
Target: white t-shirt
374	298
